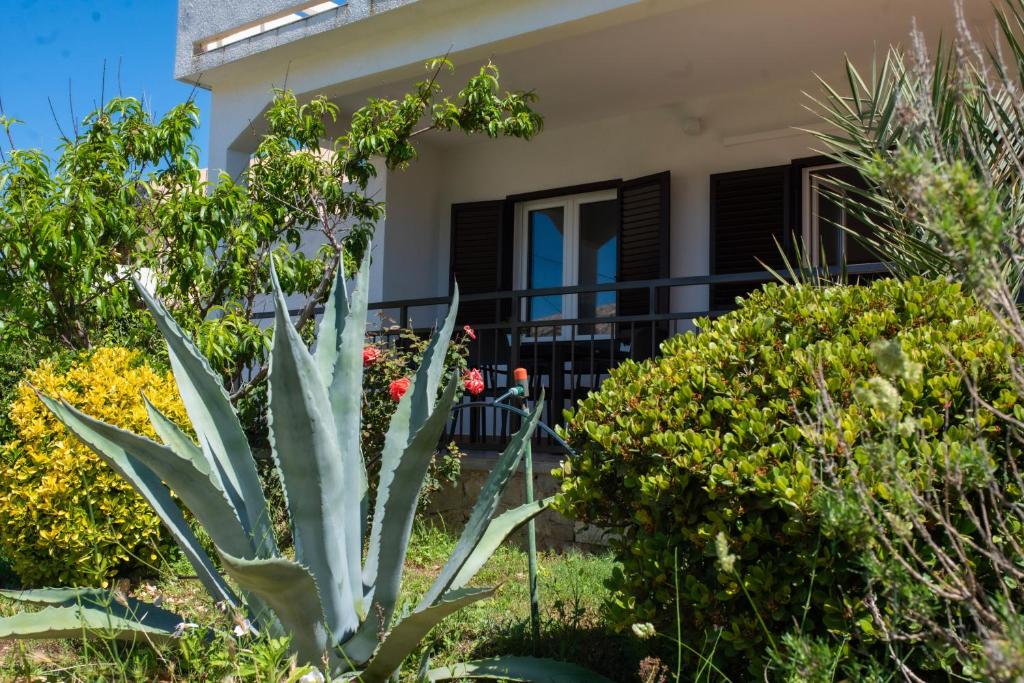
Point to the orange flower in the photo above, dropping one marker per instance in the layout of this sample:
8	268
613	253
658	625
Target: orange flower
473	381
398	388
371	354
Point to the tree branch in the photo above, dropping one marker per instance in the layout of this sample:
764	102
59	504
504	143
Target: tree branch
304	316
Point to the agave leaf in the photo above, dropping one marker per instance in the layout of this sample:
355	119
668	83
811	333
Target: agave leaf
139	622
214	419
405	637
177	440
57	596
395	510
499	529
149	486
189	479
106	601
305	447
485	507
332	322
413	410
423	671
339	356
100	599
289	589
520	669
432	364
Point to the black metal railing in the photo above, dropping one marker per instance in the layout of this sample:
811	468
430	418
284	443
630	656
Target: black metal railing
567	358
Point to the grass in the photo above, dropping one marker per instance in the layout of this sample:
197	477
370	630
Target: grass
571	593
572	590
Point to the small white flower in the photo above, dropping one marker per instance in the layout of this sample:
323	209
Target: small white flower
313	676
243	628
726	560
180	629
644	631
879	394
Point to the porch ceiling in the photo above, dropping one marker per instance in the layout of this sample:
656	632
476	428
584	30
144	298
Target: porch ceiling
690	55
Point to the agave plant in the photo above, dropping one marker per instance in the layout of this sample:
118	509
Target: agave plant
338	607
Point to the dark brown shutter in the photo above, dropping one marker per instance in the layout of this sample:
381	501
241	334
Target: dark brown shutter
481	256
643	240
750	213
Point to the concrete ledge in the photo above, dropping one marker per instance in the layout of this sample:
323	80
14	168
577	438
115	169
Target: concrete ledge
203	20
486	460
453	504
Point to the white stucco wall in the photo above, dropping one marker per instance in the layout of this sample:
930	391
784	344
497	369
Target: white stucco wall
411	249
738	132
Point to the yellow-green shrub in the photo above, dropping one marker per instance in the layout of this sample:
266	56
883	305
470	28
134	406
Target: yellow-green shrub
65	516
723	434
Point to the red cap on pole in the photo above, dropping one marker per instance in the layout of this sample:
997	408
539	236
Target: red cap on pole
522	379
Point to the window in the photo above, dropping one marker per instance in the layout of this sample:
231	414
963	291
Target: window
824	213
754	211
567	241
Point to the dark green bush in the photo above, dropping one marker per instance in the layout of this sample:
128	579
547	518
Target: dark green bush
724	434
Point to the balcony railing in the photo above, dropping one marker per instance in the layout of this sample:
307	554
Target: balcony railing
567	358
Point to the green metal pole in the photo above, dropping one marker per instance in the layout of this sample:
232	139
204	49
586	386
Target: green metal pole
523	388
531	550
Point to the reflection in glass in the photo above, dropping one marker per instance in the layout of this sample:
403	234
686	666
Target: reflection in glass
598	261
829	213
546	255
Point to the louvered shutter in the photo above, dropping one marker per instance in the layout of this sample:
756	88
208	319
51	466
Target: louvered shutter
481	256
643	240
750	212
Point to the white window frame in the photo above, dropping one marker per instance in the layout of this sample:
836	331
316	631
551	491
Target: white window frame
810	198
570	248
811	223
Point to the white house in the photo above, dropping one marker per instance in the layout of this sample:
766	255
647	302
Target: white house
671	149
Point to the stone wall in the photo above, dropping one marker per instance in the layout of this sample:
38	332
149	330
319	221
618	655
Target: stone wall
453	504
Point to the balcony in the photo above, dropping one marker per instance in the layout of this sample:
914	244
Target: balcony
566	358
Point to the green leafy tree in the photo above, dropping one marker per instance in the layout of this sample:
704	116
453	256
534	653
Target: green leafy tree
125	195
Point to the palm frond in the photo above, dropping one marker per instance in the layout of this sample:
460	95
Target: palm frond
962	104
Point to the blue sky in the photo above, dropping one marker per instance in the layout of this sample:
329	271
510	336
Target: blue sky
47	42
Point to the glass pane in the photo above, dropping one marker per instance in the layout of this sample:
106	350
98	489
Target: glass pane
599	227
546	255
829	215
855	251
830	212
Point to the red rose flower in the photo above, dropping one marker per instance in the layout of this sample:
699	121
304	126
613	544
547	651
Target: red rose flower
398	388
473	381
371	354
470	332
